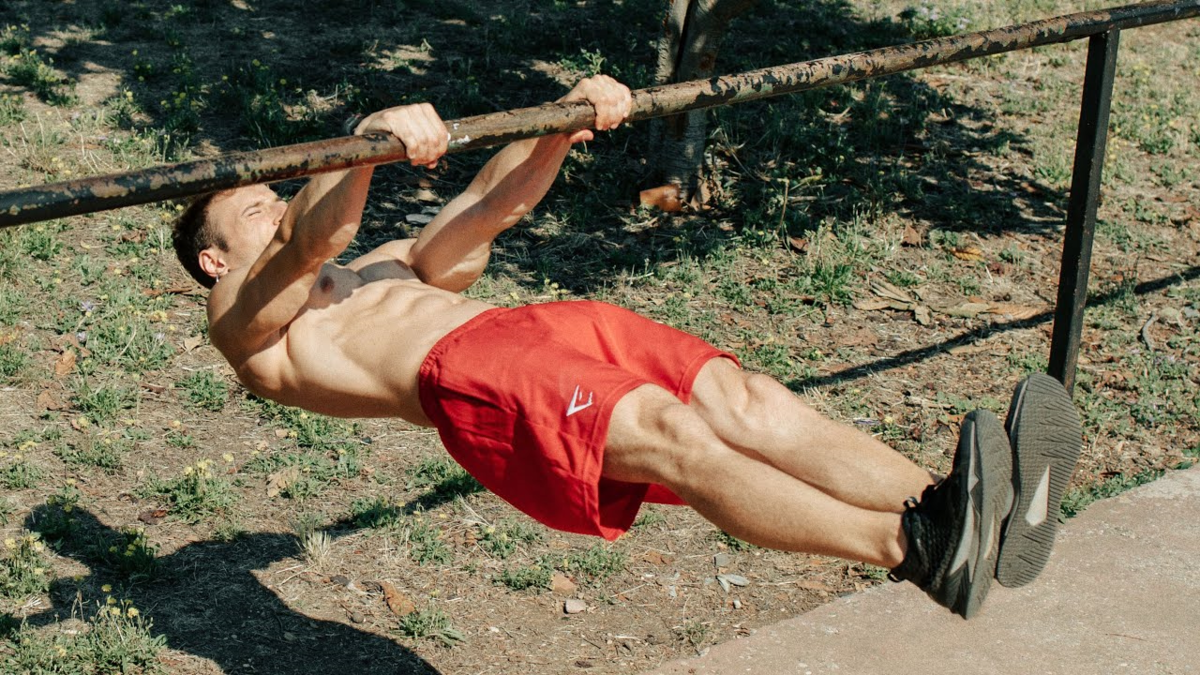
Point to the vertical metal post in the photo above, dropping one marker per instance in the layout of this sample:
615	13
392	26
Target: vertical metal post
1081	209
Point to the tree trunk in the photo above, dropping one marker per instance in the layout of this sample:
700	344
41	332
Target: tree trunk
692	34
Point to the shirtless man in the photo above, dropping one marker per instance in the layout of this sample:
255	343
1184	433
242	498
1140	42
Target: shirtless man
578	412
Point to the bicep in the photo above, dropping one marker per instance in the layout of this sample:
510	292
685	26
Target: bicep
273	292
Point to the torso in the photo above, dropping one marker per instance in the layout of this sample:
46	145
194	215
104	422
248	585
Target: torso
355	349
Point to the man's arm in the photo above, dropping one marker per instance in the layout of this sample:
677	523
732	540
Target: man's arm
452	251
319	223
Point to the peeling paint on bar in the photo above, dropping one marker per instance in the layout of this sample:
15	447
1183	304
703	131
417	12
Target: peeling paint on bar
88	195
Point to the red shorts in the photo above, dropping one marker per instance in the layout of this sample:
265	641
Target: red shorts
522	400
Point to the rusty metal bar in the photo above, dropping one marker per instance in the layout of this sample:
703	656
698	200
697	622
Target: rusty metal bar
87	195
1090	143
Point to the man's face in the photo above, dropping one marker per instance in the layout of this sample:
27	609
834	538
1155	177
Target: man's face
247	219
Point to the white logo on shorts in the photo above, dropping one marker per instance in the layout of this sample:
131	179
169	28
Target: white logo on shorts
577	402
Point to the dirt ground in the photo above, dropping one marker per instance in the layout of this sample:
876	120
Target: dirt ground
889	250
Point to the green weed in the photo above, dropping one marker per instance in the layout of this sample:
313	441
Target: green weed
501	542
103	404
24	570
129	554
195	495
446	478
309	429
425	543
594	564
17	472
14	39
525	577
733	542
375	513
27	69
12	109
430	622
206	389
58	522
105	452
1078	499
118	639
14	360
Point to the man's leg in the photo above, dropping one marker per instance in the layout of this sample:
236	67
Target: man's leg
764	420
946	543
654	438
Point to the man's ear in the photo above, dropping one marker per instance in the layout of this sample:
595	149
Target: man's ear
213	263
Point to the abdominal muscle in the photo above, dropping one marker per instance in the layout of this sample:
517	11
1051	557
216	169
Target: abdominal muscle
357	347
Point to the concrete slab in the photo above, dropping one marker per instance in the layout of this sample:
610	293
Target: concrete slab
1120	595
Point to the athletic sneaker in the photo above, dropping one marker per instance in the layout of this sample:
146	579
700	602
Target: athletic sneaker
1043	427
954	530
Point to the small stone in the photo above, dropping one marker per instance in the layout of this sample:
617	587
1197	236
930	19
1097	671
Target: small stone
737	604
357	617
418	218
574	606
340	580
722	560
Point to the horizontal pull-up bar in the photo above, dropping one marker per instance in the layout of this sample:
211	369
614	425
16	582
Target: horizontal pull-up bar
88	195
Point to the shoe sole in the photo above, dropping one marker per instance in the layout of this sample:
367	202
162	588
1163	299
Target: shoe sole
1046	436
990	496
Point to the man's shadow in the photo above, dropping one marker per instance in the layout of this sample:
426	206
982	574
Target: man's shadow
205	600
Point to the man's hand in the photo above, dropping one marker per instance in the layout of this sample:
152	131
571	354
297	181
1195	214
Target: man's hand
610	98
418	127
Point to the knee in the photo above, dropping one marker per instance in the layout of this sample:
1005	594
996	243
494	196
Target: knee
658	440
751	405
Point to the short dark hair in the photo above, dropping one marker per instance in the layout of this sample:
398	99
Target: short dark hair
194	233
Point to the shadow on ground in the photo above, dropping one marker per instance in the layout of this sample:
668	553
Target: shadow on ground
206	601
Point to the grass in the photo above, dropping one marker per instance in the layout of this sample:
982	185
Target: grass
24	569
194	495
117	639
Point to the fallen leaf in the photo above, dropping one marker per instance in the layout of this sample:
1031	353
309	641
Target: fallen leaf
281	480
191	343
399	603
911	237
887	290
968	253
1014	311
47	401
664	197
922	315
872	305
967	310
798	245
656	558
815	586
65	364
152	517
561	585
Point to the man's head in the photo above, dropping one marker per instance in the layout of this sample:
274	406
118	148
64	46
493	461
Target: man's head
226	230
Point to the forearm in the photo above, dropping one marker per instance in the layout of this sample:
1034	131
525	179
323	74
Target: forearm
323	218
453	250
